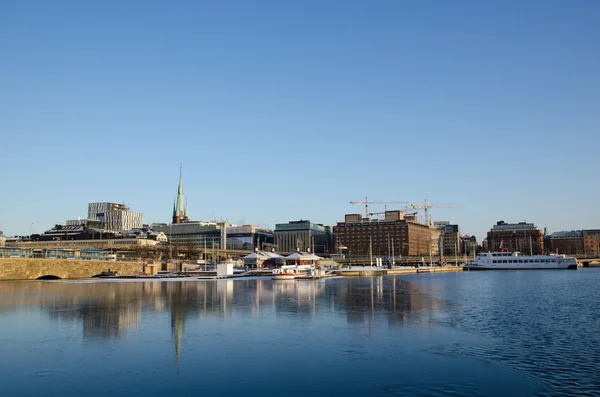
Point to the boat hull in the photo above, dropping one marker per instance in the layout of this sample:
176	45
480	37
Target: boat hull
569	267
284	277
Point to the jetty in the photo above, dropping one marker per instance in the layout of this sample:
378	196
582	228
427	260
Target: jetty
361	271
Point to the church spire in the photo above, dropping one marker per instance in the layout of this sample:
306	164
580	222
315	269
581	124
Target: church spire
180	188
180	205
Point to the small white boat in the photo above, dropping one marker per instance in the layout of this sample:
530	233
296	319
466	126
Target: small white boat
290	272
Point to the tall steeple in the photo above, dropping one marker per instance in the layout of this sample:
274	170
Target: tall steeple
180	207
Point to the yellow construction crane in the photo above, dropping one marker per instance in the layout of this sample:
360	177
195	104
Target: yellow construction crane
367	202
426	207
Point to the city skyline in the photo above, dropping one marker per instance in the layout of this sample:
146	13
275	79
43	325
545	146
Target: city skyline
282	112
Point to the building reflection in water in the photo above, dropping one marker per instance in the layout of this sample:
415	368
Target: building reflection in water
113	309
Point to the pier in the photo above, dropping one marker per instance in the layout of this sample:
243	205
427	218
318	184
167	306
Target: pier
377	271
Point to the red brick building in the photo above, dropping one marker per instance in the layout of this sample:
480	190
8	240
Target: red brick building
570	243
521	237
394	235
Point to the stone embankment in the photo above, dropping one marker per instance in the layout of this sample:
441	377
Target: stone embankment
32	269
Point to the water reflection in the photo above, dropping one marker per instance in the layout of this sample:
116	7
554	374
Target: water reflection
361	336
112	309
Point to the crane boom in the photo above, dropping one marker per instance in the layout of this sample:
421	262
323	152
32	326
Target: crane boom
426	207
367	202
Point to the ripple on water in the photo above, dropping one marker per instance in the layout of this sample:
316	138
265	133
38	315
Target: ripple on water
42	373
537	324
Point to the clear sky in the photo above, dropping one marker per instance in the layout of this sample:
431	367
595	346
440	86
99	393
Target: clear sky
286	110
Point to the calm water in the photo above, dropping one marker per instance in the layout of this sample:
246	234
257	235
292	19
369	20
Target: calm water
473	333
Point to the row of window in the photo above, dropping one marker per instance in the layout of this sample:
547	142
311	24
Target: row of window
524	261
372	234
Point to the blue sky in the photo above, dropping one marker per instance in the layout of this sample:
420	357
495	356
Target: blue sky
285	110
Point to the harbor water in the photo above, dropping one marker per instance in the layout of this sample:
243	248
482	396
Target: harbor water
514	333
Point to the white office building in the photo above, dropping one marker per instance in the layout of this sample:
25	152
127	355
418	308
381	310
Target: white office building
115	217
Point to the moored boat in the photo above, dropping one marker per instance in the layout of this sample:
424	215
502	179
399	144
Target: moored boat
290	272
516	261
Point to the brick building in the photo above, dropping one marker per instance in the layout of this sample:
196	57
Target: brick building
570	243
591	241
522	237
395	235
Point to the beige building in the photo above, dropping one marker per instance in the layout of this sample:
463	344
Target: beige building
469	245
450	240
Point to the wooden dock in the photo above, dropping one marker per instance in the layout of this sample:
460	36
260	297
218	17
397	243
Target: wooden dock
367	271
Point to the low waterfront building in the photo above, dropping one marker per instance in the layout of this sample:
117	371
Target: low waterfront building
522	237
565	242
74	232
147	233
302	258
263	259
302	235
83	235
216	235
193	234
90	223
395	235
2	239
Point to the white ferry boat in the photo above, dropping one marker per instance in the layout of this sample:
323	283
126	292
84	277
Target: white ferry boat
516	261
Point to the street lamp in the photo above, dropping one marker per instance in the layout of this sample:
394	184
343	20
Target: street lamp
57	239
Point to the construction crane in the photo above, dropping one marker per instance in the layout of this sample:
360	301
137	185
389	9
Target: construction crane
367	202
426	207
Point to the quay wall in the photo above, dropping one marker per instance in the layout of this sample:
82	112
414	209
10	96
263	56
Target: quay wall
391	272
34	268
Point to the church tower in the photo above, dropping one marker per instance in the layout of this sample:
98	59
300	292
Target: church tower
180	214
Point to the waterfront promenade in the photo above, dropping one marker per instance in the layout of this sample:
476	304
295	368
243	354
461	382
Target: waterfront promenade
46	268
36	268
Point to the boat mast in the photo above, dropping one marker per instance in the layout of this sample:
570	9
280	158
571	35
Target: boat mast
393	259
313	251
530	247
371	249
